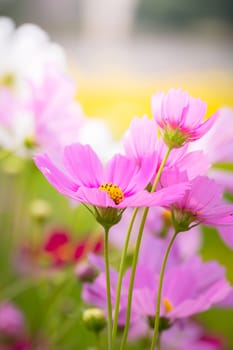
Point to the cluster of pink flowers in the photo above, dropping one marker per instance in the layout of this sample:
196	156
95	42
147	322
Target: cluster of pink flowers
190	287
185	198
13	332
172	164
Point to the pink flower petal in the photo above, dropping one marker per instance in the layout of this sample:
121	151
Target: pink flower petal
83	164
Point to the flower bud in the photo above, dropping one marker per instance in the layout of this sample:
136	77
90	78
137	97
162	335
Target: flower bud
40	210
94	319
85	272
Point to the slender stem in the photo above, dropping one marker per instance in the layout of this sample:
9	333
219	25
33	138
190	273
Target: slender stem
131	283
108	288
136	253
157	314
158	175
120	277
159	343
98	341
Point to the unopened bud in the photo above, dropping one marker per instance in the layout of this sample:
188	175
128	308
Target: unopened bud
94	319
40	210
85	272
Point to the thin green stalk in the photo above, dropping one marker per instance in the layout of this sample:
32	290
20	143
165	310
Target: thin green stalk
98	341
159	343
157	315
131	283
120	277
108	288
158	175
136	253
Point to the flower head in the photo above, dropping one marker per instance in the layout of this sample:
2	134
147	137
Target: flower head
202	203
179	117
25	51
12	322
141	141
184	291
109	190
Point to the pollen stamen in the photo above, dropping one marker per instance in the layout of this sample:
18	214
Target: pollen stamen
114	192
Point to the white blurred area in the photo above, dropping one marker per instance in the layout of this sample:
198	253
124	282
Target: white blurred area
114	35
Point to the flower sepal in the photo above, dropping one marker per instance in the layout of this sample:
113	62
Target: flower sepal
174	138
164	323
108	217
182	219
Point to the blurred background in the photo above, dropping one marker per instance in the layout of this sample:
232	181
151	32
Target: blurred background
137	47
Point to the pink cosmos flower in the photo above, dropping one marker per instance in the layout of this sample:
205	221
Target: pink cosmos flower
141	140
119	185
201	204
57	116
12	322
189	288
188	335
183	293
46	119
180	116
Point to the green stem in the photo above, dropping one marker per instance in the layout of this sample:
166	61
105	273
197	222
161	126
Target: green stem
158	175
157	315
108	288
159	343
131	283
98	341
136	253
121	272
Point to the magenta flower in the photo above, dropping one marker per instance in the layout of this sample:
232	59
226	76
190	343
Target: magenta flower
141	140
189	288
12	323
191	336
201	204
54	109
119	185
183	294
180	116
46	119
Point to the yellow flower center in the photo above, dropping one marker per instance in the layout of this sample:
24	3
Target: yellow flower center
114	192
167	305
